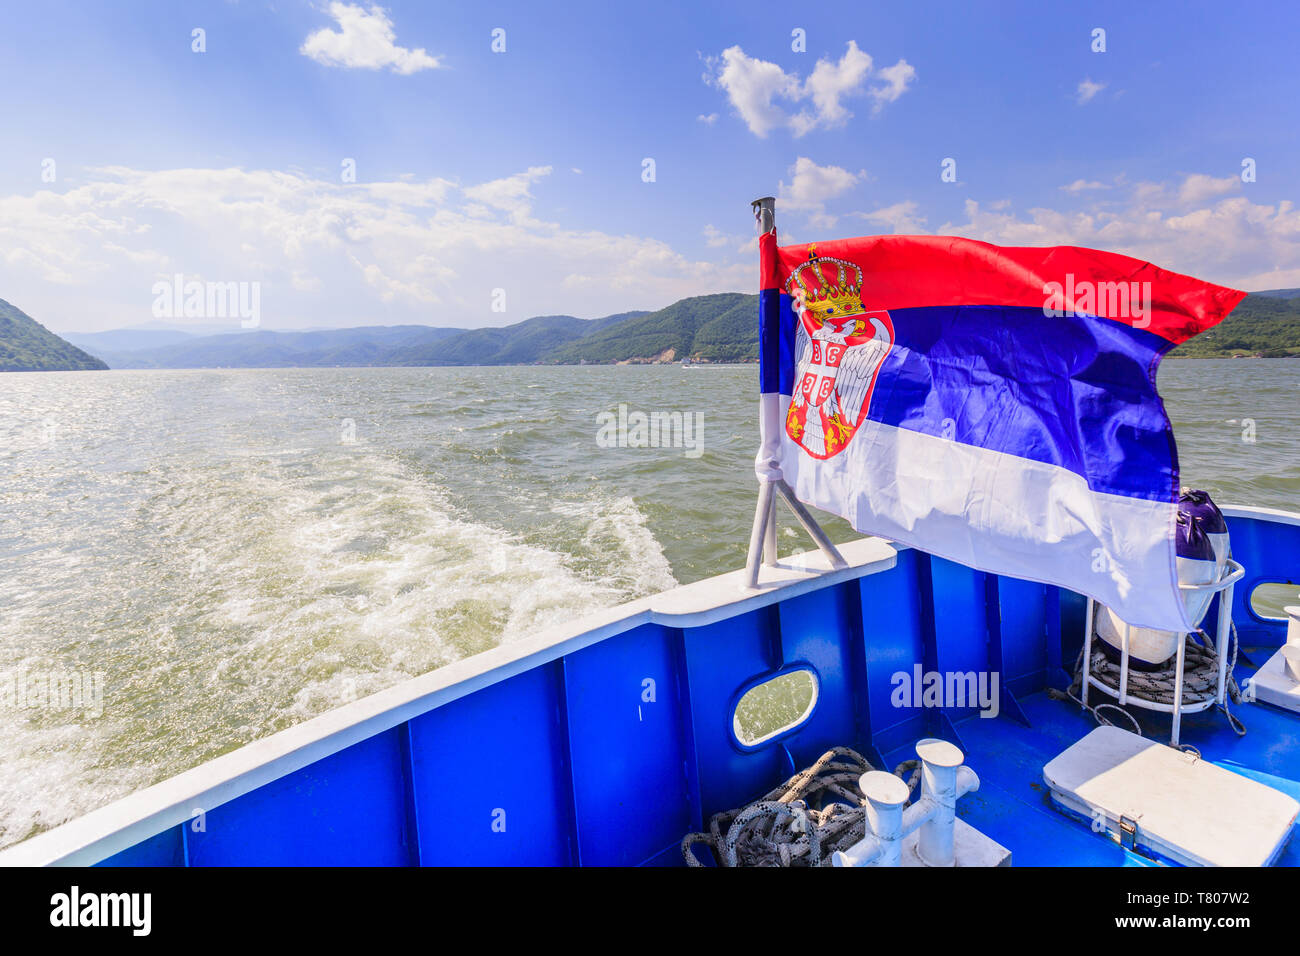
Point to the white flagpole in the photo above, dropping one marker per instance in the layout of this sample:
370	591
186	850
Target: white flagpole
762	538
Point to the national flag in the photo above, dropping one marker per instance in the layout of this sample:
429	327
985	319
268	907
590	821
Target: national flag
991	405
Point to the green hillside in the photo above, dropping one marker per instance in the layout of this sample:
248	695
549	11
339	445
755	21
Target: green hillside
709	328
1265	324
28	346
520	344
706	326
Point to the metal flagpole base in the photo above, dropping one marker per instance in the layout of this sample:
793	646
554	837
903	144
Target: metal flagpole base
762	538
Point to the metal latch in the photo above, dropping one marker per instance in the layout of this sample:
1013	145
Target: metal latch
1128	832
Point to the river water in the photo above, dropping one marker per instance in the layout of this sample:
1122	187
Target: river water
235	551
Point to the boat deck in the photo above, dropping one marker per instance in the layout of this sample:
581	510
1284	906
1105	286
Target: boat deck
1013	806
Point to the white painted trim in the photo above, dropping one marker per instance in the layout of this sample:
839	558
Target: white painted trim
1261	514
126	822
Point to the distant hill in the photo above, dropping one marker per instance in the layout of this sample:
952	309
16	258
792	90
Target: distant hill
524	343
1264	323
126	340
1280	293
28	346
719	328
707	328
369	345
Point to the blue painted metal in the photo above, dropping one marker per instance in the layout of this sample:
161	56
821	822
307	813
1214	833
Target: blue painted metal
1270	553
609	754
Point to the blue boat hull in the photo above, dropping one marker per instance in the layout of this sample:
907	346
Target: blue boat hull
603	743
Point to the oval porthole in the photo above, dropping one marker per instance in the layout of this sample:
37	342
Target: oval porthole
1269	599
774	707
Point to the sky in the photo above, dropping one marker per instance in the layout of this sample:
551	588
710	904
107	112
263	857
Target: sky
476	164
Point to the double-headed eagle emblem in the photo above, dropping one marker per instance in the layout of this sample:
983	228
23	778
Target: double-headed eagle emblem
840	346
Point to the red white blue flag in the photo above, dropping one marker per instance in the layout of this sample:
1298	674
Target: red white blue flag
993	406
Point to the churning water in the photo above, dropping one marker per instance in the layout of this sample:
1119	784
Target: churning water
236	551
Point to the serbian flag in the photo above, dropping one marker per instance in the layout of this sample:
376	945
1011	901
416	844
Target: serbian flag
993	406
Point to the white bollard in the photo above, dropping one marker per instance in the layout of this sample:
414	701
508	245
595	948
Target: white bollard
883	844
943	781
1292	625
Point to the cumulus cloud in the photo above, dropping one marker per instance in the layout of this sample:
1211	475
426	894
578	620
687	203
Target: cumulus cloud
1198	187
512	195
1079	185
896	79
812	186
1232	241
902	218
327	253
1186	226
1086	90
713	236
365	40
707	119
755	86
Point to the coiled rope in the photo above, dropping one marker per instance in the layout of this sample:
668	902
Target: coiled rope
818	811
1200	680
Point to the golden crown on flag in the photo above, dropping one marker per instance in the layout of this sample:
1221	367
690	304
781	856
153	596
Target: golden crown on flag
825	298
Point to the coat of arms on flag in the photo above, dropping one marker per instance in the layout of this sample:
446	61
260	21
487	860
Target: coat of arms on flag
840	347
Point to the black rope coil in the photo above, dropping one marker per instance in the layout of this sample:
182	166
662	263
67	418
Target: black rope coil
803	822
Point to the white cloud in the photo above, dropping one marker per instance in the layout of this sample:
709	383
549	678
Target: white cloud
829	83
1198	187
365	40
511	195
753	85
1232	241
707	120
327	253
1079	185
1086	90
812	186
896	78
902	218
715	237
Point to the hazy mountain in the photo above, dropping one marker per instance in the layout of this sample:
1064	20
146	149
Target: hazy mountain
126	340
714	328
519	344
28	346
533	340
369	345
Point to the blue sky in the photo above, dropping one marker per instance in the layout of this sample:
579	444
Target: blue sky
522	171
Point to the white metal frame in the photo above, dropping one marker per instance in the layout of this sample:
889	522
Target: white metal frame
1224	588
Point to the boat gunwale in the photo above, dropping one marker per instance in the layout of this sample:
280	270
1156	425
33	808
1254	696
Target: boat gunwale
129	820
